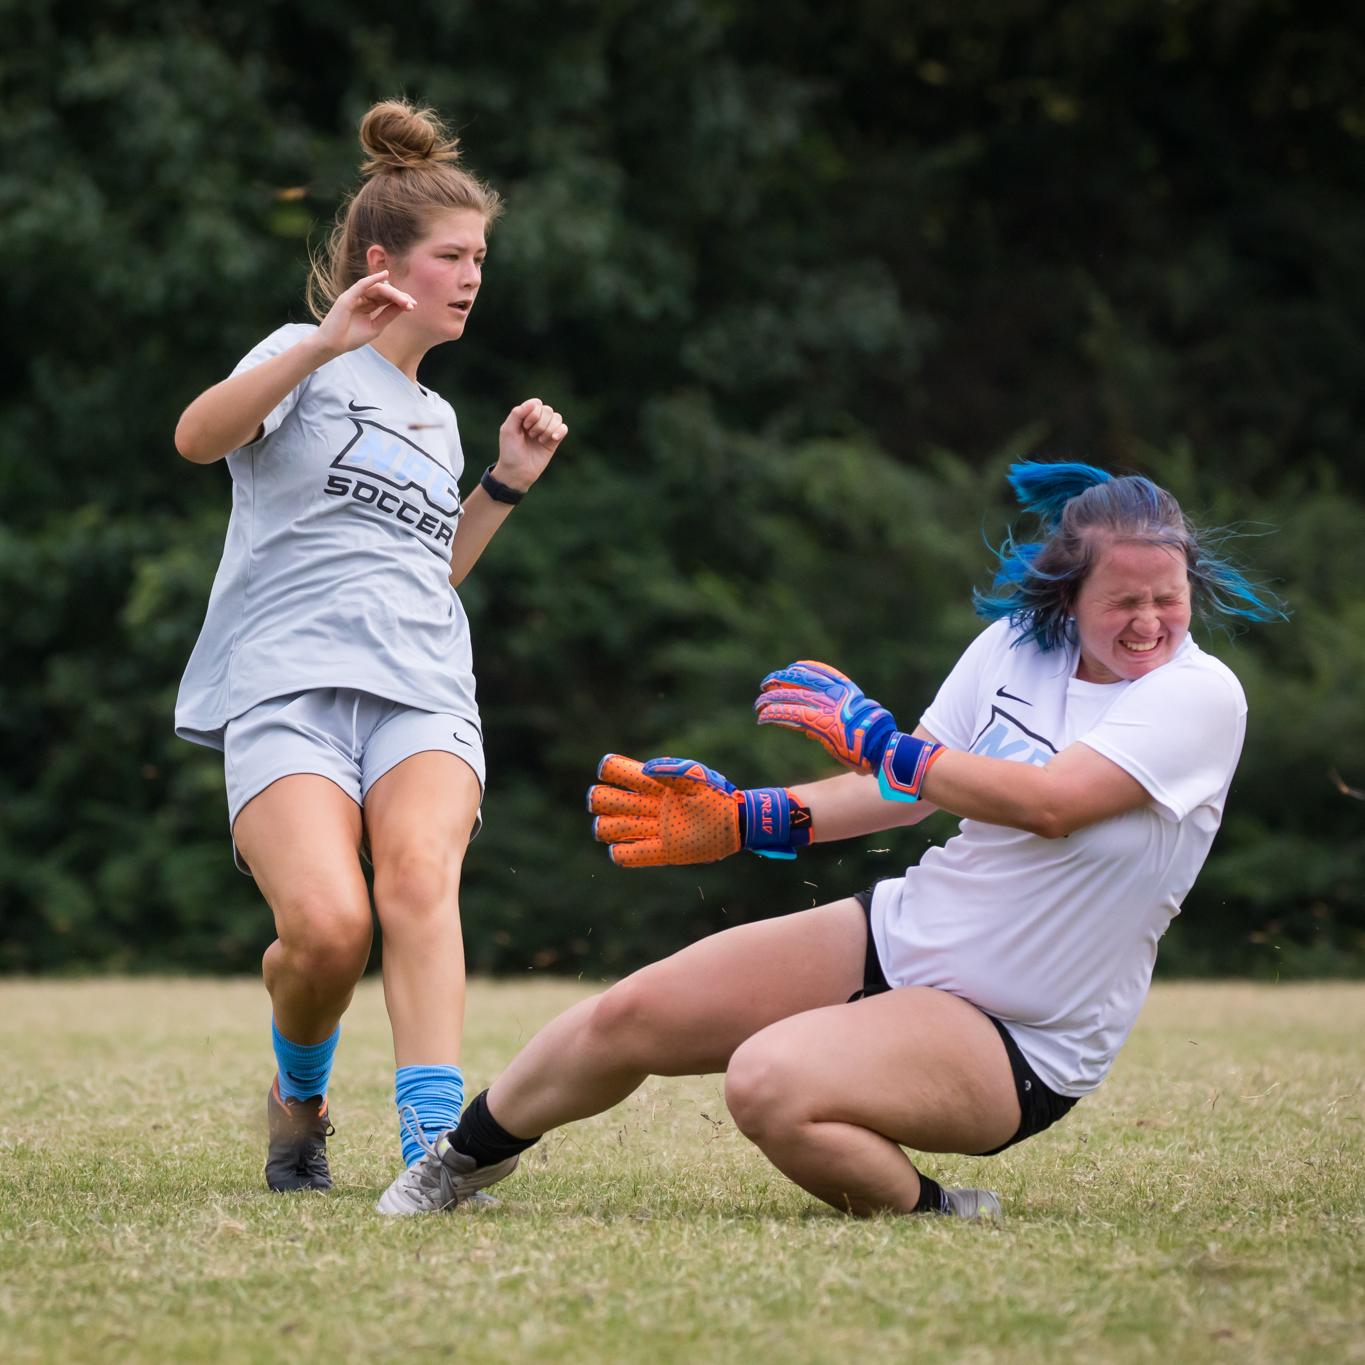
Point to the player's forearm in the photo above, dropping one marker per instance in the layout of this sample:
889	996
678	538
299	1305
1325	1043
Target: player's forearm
998	792
1018	795
481	519
231	414
1021	796
1077	788
850	805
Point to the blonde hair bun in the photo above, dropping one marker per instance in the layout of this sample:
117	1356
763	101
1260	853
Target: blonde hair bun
396	135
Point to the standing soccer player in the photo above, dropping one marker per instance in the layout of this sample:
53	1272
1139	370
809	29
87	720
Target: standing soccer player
334	666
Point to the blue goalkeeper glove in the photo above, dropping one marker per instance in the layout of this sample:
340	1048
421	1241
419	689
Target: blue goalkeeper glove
829	707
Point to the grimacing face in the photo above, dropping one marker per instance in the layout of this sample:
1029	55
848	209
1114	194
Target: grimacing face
1132	611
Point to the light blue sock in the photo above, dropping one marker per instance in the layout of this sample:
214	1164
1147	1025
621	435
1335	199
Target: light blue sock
435	1095
304	1068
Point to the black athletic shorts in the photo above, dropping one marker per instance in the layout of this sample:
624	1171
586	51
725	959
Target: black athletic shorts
1039	1106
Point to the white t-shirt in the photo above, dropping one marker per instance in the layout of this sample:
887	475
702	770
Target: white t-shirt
1057	937
336	570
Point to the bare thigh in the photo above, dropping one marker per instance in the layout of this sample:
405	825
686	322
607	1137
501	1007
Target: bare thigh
422	810
301	839
687	1014
919	1066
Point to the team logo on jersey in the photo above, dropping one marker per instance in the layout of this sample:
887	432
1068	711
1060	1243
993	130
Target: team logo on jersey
1005	736
379	467
393	459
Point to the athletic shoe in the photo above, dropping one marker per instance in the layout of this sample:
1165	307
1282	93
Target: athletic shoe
968	1203
441	1177
299	1129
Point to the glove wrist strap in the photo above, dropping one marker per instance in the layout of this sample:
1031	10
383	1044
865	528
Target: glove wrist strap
772	822
880	735
904	766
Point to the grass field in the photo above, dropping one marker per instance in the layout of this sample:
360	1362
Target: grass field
1208	1203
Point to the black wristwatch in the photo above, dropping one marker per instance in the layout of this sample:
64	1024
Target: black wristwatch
499	491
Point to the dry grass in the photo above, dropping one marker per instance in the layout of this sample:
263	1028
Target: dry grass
1207	1204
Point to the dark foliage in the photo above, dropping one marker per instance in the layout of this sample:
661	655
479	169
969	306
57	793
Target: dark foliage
803	288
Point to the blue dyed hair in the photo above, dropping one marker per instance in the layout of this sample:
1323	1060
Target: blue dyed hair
1081	509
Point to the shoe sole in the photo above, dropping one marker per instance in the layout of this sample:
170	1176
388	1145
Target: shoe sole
318	1186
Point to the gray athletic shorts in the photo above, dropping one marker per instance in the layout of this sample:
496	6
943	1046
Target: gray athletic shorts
351	737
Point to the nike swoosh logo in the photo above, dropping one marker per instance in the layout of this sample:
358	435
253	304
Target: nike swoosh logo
361	407
1000	692
458	740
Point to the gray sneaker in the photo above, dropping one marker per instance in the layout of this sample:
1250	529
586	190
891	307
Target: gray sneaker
969	1203
440	1178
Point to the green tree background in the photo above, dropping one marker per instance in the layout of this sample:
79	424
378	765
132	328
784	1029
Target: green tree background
804	279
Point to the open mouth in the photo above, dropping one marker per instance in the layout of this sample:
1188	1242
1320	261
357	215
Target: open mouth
463	306
1146	647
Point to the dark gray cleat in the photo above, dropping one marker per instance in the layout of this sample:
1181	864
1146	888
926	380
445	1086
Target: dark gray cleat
297	1155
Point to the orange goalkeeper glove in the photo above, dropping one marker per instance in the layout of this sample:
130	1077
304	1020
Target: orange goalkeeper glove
673	811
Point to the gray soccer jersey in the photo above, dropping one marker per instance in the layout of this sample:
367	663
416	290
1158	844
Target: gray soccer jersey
336	568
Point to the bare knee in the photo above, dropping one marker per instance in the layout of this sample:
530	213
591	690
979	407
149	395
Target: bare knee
763	1089
625	1020
415	888
322	947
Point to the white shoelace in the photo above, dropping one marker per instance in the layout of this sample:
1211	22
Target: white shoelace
426	1172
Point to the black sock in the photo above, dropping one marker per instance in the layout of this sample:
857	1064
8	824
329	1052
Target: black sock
931	1198
481	1136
